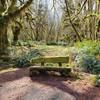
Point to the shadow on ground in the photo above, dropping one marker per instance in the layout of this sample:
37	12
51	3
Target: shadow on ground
92	93
58	82
13	75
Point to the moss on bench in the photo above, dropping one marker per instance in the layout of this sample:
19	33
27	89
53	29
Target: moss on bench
64	71
44	60
42	70
51	60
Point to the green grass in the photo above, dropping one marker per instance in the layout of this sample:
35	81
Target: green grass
47	51
8	69
52	50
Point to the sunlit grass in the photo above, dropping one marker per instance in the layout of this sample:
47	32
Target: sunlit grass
45	50
9	69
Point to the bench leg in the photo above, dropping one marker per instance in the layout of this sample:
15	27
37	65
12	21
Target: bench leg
33	72
60	64
42	64
64	73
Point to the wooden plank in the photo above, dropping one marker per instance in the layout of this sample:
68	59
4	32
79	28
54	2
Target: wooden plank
49	68
38	70
51	60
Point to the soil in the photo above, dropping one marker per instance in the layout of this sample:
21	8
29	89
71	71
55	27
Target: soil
17	85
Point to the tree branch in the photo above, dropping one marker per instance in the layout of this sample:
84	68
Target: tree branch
19	10
10	7
71	21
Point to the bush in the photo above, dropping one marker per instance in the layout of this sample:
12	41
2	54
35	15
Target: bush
59	43
89	47
87	56
24	61
52	43
24	43
96	80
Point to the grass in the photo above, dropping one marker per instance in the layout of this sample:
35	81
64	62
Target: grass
8	69
47	51
52	50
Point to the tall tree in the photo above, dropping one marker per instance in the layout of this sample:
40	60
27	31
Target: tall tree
6	16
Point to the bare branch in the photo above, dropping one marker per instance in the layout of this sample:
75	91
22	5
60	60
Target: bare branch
20	9
67	8
11	6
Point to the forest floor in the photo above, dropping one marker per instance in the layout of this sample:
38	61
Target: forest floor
15	84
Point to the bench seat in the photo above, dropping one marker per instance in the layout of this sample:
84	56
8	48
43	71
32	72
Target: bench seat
64	71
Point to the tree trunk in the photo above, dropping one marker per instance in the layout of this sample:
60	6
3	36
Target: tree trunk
4	22
16	33
3	41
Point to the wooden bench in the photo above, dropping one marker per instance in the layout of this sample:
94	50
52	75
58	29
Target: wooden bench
64	71
44	60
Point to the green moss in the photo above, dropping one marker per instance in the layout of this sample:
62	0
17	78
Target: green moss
51	60
44	70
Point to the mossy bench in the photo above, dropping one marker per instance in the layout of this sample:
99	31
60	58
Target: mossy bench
44	60
64	71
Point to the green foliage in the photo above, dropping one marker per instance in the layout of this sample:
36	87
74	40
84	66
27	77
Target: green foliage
96	80
24	61
57	43
24	43
86	58
89	47
52	43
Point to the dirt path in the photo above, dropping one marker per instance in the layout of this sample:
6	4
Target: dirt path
17	85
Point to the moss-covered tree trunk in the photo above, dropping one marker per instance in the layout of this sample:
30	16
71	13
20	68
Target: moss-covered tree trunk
3	35
3	41
5	18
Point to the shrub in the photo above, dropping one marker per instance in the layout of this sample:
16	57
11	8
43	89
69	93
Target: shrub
24	43
51	43
96	80
24	61
88	64
89	47
86	58
61	43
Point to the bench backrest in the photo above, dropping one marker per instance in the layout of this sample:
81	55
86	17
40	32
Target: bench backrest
51	60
